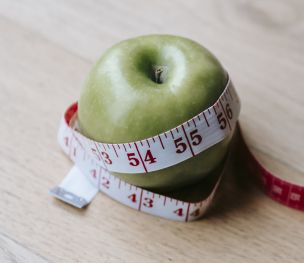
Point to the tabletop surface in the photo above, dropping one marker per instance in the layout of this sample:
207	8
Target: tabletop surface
46	50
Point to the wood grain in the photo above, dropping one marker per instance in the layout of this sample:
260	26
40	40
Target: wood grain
12	251
47	48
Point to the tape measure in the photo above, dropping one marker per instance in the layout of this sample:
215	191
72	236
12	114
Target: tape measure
94	162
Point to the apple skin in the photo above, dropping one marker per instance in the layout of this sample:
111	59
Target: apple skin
122	102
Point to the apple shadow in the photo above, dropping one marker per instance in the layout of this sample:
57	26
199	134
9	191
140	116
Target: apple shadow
238	186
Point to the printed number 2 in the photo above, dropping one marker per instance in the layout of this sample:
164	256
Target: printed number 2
105	182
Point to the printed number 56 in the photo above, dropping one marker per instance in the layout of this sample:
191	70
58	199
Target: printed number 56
221	118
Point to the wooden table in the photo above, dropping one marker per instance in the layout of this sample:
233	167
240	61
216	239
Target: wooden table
46	50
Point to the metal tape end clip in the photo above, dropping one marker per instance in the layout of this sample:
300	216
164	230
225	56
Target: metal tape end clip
75	189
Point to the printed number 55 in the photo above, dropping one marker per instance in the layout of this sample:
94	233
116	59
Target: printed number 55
181	146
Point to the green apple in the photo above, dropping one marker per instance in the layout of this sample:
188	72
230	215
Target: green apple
144	86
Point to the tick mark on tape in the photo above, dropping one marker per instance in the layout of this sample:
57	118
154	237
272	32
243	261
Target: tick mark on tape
104	147
165	199
172	134
148	142
141	159
194	122
140	199
161	142
188	140
187	214
229	94
79	142
100	155
206	119
125	147
114	150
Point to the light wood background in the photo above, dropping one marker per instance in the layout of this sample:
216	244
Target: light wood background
46	49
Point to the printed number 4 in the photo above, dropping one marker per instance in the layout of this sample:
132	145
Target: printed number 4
132	197
179	212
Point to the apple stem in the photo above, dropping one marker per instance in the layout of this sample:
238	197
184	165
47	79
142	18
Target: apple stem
158	71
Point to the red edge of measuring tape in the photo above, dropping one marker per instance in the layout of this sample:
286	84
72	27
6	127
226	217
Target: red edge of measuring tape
280	190
70	112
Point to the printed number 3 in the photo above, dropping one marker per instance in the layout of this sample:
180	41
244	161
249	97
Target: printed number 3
106	158
148	202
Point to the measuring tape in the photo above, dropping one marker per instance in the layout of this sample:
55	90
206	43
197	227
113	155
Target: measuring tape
95	161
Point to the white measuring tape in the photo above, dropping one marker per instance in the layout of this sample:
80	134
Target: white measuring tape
94	161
